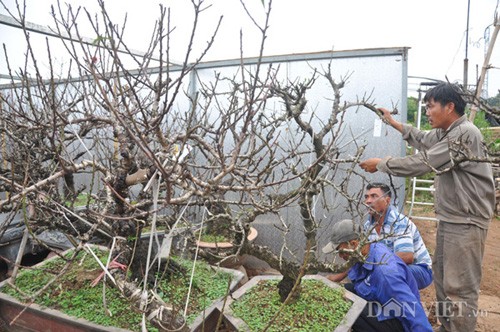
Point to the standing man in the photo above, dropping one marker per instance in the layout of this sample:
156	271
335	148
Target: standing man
464	199
397	232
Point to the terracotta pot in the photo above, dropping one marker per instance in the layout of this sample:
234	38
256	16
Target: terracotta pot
252	235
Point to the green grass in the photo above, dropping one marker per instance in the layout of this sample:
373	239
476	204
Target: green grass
83	199
319	308
208	285
214	238
86	302
210	237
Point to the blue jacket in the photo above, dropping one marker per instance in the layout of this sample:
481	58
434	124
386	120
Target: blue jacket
387	284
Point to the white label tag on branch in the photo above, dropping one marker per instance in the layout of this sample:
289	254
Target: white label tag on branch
377	128
166	245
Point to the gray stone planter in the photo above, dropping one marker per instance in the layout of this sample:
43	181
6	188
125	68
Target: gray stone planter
16	316
236	324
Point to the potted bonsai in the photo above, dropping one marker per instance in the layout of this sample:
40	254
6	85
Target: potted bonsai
257	148
256	306
219	235
74	302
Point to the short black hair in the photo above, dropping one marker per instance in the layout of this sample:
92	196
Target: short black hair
445	93
382	186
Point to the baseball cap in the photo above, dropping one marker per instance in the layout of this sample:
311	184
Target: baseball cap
342	231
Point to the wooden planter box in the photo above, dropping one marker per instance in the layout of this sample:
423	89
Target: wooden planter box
36	318
16	316
233	323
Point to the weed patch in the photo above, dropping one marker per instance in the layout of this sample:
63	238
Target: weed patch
319	308
72	293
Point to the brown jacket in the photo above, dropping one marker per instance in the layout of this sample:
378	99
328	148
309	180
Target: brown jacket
465	192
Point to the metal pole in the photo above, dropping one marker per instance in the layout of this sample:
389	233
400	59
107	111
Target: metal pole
486	65
466	60
36	28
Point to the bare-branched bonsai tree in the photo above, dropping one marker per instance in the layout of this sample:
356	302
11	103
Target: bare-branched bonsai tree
148	143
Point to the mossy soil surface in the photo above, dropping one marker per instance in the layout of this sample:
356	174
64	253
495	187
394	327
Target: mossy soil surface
319	307
73	294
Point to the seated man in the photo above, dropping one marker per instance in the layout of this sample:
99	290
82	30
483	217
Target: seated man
387	225
381	278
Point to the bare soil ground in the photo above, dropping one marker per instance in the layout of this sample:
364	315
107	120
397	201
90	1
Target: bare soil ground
489	298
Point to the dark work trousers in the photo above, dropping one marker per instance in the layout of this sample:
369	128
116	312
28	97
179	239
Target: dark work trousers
368	323
457	274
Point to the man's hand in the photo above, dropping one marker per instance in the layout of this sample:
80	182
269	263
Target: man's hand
337	277
387	116
370	165
407	257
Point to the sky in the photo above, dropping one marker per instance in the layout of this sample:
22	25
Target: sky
435	31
